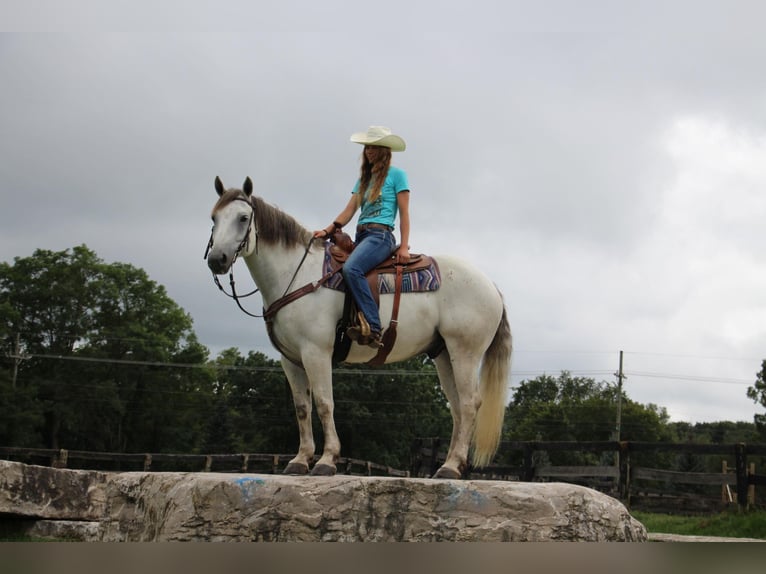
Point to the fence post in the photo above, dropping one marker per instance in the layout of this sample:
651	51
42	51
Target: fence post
245	461
61	458
435	444
741	467
147	462
751	487
208	463
624	455
529	467
415	456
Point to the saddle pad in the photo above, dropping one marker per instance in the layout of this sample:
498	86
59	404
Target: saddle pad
428	279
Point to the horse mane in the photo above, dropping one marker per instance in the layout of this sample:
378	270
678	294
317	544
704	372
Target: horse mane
274	226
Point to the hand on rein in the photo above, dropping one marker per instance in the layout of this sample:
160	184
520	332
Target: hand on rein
324	234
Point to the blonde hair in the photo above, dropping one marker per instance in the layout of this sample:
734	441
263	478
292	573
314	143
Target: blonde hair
374	173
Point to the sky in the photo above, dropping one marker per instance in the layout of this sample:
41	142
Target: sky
603	162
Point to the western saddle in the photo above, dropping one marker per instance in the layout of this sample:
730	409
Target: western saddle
341	248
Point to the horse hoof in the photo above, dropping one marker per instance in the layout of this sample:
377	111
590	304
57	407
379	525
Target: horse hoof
445	472
323	470
296	468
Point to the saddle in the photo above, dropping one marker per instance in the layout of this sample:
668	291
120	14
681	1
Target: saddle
342	246
339	250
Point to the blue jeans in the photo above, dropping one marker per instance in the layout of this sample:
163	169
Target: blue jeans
372	247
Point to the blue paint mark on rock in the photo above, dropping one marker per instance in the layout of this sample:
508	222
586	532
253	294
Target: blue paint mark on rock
247	486
461	495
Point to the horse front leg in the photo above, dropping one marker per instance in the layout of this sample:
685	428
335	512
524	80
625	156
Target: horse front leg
319	370
299	385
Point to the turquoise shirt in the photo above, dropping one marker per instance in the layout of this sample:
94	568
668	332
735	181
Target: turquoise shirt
385	208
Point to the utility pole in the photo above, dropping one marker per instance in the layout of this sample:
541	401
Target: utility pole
620	376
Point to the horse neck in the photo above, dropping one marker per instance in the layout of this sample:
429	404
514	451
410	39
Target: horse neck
273	267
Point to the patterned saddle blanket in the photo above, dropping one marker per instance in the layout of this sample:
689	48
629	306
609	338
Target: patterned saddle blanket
421	275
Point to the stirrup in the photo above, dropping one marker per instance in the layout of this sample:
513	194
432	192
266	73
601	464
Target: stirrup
375	340
362	333
364	326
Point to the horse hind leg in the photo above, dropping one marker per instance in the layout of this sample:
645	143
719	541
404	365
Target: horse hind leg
460	390
299	385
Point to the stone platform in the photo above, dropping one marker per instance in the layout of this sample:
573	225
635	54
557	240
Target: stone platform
162	506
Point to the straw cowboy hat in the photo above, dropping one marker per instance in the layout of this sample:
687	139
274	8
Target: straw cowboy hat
379	135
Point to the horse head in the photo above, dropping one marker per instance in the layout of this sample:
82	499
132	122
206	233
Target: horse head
233	227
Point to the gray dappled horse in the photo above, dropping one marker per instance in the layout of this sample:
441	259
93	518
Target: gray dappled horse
464	319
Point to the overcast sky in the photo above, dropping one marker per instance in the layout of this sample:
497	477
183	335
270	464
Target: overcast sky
604	162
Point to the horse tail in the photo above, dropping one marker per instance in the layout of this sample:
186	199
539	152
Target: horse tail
493	389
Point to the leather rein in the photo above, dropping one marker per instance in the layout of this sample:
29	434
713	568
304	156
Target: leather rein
287	296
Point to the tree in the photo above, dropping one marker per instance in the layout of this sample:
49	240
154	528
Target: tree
568	408
380	412
758	393
563	408
252	406
97	335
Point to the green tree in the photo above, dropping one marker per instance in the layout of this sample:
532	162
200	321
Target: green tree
567	408
562	408
97	336
380	412
252	408
719	432
20	411
758	394
44	303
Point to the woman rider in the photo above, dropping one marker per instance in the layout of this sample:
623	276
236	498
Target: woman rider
381	192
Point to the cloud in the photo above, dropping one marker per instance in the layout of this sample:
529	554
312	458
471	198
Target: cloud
602	163
701	272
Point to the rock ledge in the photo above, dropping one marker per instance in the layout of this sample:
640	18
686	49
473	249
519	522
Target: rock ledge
143	506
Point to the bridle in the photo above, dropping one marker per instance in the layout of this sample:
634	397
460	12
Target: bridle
243	245
287	296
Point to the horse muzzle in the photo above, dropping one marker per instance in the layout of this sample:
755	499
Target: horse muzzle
218	262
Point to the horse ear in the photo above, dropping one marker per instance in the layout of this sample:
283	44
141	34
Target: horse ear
248	186
219	185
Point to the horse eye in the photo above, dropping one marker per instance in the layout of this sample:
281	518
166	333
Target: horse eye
243	218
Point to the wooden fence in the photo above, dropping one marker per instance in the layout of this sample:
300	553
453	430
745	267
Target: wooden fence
619	474
637	486
247	462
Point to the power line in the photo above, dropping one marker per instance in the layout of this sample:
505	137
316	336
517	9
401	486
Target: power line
691	378
270	369
363	371
693	356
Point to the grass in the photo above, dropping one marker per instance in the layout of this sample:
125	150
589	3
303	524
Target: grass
731	524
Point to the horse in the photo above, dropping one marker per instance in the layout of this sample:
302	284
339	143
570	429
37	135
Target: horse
464	321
